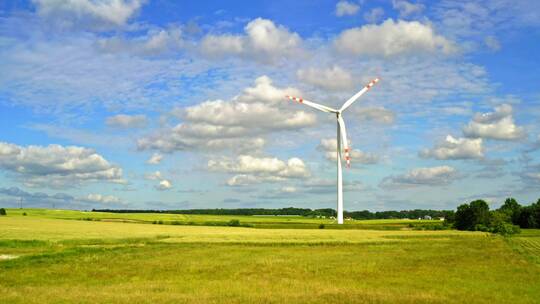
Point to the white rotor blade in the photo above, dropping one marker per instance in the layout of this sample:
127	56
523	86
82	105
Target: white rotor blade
357	95
312	104
344	142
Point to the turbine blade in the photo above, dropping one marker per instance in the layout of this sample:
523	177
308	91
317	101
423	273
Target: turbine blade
357	95
312	104
344	149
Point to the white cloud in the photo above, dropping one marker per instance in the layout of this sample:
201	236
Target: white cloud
57	166
155	42
59	200
374	15
492	43
164	185
475	19
243	180
329	146
374	114
250	169
127	121
455	148
235	124
102	199
155	159
497	125
263	40
432	176
406	8
156	175
392	38
288	189
334	78
293	168
103	14
85	77
346	8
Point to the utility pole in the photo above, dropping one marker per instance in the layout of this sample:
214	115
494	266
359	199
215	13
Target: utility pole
20	203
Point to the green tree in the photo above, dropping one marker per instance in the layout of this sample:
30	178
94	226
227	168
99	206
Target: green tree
473	216
529	216
3	211
512	208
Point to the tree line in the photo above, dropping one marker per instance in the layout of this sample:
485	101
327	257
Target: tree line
508	219
326	212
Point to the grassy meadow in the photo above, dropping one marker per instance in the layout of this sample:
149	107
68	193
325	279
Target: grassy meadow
58	256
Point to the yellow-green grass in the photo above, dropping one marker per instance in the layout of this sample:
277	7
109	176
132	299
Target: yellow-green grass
528	244
198	219
66	261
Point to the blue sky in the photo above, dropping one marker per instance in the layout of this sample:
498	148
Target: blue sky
169	105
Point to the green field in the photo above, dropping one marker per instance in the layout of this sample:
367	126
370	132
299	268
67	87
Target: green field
217	220
53	256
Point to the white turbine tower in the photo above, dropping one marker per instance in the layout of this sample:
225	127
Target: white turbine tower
342	143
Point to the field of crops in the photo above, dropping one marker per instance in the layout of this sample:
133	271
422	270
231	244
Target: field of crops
61	256
223	220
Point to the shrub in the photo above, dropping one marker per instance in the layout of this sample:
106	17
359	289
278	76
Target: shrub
321	226
504	228
24	213
3	211
234	223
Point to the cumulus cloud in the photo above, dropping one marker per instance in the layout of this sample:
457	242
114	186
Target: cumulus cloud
57	166
124	121
328	146
334	78
392	38
251	170
163	184
455	148
155	159
406	8
430	176
59	200
263	40
238	123
346	8
103	14
155	42
498	125
374	114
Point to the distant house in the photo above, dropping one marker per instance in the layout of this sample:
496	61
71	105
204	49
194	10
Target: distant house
427	217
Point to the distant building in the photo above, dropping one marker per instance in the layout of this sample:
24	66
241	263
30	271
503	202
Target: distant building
427	217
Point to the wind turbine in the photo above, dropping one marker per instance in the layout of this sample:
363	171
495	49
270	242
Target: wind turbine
342	143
